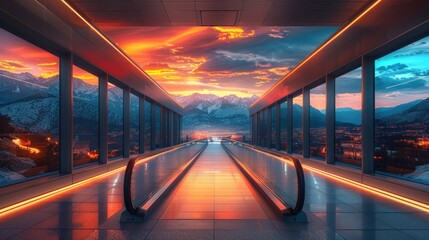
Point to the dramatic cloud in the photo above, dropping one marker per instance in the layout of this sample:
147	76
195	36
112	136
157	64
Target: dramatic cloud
13	66
19	56
226	60
403	75
247	57
229	33
392	68
84	76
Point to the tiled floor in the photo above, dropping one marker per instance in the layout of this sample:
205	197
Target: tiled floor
214	188
214	201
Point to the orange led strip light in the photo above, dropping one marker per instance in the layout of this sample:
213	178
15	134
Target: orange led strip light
108	41
376	191
31	201
320	49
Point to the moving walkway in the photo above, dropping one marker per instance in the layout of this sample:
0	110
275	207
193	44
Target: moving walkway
150	183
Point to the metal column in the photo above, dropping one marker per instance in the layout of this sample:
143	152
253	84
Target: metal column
152	126
278	126
103	117
141	125
126	126
268	143
368	105
289	125
306	123
330	120
162	127
66	114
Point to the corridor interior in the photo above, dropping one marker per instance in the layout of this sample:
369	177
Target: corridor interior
215	201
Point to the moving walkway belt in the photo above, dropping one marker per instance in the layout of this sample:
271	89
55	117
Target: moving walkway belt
140	210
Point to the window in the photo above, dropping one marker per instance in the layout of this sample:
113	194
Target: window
273	126
297	125
115	122
348	118
85	117
29	110
402	112
318	122
134	124
283	126
147	127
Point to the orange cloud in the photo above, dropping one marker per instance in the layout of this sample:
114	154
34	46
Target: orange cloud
84	76
49	74
229	33
280	71
157	69
47	64
186	63
13	66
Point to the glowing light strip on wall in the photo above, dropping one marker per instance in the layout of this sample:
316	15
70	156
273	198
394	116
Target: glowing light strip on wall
34	200
367	188
108	41
338	34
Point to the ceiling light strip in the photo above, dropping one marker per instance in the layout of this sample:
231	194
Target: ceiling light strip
108	41
338	34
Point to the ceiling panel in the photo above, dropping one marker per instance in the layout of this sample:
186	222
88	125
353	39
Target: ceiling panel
249	12
214	18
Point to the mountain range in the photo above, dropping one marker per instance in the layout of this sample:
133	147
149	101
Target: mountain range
209	112
32	103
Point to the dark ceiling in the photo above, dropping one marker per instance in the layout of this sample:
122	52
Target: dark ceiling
220	12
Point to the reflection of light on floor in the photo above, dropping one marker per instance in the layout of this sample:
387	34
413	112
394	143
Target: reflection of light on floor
48	195
214	188
37	199
361	186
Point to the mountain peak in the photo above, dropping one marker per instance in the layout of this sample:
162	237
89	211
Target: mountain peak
212	98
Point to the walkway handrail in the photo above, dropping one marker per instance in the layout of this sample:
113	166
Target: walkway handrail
129	172
299	173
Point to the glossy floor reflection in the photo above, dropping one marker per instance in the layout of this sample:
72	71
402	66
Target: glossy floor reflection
214	201
214	189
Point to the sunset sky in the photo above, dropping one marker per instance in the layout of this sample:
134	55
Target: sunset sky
218	60
234	60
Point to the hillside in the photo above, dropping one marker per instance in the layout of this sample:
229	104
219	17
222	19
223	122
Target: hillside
208	112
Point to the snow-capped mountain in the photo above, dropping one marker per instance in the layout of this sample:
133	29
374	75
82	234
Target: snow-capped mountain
208	112
32	102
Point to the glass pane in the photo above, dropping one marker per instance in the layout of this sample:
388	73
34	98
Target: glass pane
283	126
273	127
402	118
348	118
29	110
147	114
318	122
134	124
297	124
115	122
85	117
